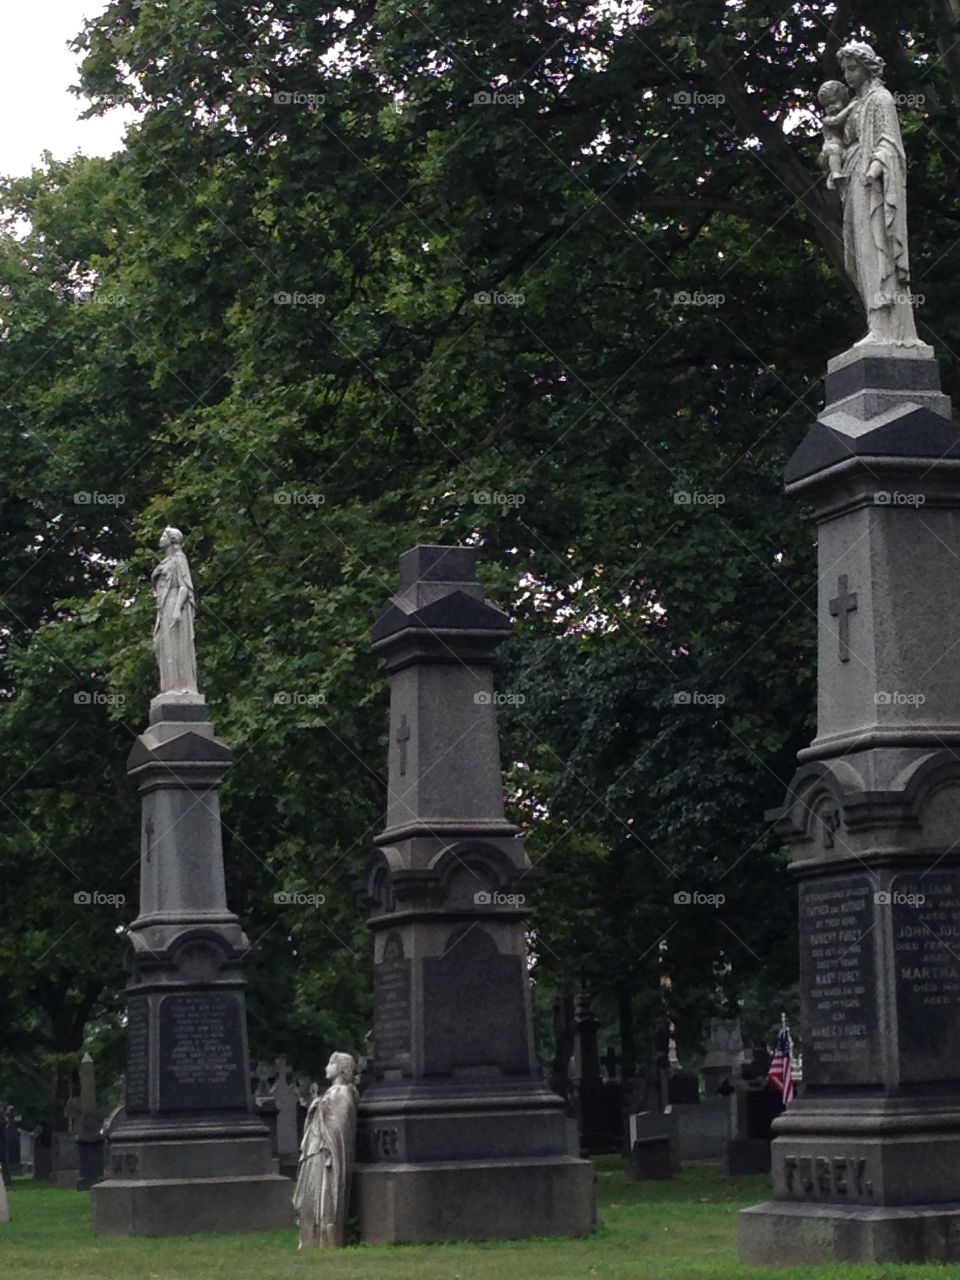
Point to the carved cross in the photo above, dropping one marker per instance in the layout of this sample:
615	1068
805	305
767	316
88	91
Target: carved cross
403	737
841	606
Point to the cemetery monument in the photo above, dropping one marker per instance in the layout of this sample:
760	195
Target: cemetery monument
459	1138
187	1154
866	1162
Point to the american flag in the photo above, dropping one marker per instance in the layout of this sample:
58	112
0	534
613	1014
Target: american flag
780	1074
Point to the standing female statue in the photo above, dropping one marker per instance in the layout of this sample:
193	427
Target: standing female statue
873	185
173	630
326	1159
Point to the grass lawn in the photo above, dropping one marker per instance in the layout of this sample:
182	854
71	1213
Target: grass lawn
680	1230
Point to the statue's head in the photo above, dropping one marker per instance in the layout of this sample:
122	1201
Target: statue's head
833	94
171	537
341	1068
860	63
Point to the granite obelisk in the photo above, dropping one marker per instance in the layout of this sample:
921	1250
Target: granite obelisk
459	1138
188	1153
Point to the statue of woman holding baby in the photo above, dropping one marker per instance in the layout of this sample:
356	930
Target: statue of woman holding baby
863	152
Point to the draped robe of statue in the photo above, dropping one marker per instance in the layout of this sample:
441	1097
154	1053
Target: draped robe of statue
173	641
326	1168
875	217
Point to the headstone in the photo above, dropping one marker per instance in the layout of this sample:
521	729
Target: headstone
459	1138
190	1154
13	1143
65	1160
26	1150
4	1202
598	1101
755	1107
703	1130
653	1143
611	1063
725	1055
42	1153
866	1159
287	1097
90	1146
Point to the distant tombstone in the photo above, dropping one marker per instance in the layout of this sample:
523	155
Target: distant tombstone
725	1055
11	1135
611	1063
42	1153
287	1097
653	1146
755	1107
65	1160
4	1202
26	1150
586	1055
90	1144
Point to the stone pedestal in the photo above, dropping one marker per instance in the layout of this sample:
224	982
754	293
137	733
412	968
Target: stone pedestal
866	1162
188	1154
459	1139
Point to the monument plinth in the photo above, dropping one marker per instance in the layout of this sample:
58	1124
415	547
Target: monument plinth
866	1162
189	1153
459	1139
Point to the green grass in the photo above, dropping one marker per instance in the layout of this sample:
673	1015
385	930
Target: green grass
679	1230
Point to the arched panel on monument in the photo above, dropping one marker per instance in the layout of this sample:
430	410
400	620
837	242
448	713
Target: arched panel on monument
476	997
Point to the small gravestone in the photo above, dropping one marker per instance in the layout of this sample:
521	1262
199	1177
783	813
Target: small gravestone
42	1153
90	1144
755	1107
724	1057
653	1146
4	1202
287	1097
13	1143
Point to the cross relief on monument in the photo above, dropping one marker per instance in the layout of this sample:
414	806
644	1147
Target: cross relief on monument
403	737
841	606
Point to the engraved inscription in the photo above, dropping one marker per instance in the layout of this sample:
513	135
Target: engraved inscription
201	1051
837	981
391	999
138	1041
827	1177
926	943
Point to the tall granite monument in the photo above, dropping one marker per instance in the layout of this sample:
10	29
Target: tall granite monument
188	1153
866	1162
459	1138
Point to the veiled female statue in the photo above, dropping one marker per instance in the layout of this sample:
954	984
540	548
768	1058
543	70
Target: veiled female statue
873	185
173	641
322	1195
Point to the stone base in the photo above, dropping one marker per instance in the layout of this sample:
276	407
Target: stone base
188	1206
746	1157
477	1200
779	1234
650	1160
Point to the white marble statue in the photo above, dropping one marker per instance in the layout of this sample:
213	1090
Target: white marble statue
864	157
173	641
322	1195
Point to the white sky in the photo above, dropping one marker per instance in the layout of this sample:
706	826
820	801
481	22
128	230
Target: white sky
37	111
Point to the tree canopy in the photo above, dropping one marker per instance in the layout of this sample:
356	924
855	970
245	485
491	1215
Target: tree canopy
559	281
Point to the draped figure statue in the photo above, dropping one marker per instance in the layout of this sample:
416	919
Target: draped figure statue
872	181
322	1194
173	641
